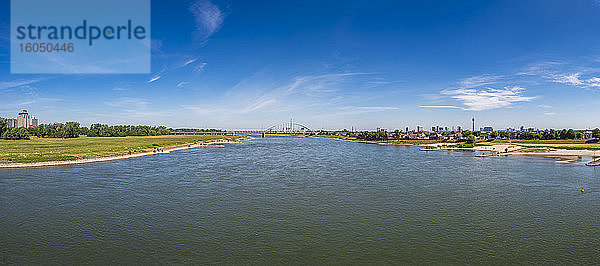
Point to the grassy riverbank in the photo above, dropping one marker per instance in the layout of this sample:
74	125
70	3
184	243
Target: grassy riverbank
49	149
533	144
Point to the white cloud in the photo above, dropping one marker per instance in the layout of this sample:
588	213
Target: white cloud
576	79
189	62
208	17
486	99
571	79
593	82
154	79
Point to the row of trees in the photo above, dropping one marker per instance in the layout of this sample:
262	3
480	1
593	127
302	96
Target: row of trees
550	134
12	133
197	130
369	135
67	130
74	130
99	130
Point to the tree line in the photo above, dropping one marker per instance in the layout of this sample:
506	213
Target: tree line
74	130
12	132
550	134
99	130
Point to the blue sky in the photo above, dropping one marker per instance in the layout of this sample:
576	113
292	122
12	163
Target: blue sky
339	64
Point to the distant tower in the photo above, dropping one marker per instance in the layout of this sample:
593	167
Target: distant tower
473	124
291	125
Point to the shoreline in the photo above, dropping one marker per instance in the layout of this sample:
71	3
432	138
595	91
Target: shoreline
559	155
115	157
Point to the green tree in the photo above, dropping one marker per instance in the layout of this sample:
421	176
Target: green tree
471	139
570	134
16	133
3	127
596	133
494	135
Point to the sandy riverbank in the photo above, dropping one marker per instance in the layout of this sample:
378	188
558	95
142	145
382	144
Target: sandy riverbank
561	155
164	150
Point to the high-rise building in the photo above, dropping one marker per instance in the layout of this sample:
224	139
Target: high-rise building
23	119
11	122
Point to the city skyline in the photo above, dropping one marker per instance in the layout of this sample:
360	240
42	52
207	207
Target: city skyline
24	119
236	65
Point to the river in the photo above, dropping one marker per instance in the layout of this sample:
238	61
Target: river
282	200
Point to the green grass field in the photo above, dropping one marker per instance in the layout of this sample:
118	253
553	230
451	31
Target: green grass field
48	149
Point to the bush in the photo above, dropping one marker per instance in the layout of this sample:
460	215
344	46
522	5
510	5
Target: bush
470	139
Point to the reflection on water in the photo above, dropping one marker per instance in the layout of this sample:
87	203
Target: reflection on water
302	200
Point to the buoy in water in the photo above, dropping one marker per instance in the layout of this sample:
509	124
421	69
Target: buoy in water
582	190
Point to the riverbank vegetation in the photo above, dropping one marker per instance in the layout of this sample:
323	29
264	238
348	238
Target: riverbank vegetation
74	130
52	149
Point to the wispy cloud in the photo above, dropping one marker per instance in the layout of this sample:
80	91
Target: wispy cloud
575	79
440	106
155	78
189	61
580	76
258	96
593	82
378	108
486	99
199	67
571	79
18	83
135	103
478	81
208	18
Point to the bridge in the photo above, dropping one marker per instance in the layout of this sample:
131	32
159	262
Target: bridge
287	128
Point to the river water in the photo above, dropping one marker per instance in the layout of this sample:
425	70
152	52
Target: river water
283	200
